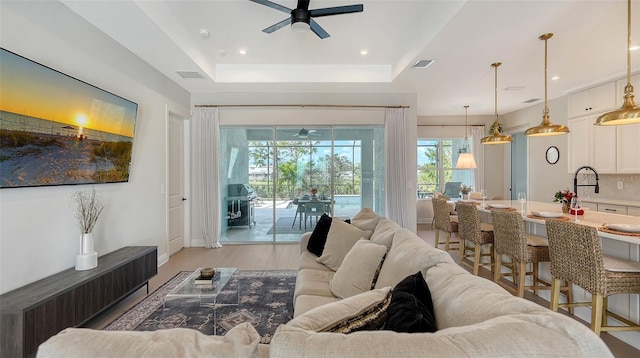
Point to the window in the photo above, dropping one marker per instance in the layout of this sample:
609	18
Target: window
436	165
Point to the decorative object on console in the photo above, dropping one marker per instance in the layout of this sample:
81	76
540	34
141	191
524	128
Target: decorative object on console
546	128
88	209
629	113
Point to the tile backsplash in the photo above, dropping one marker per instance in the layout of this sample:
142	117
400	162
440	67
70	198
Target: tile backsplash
609	187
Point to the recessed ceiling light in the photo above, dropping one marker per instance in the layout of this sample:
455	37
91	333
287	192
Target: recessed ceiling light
222	52
242	51
423	63
204	33
364	52
634	47
554	78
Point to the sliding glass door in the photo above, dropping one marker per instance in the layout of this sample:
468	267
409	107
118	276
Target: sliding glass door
294	175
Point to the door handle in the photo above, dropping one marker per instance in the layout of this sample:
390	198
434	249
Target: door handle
184	199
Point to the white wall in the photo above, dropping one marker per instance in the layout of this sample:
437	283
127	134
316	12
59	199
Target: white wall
38	234
544	179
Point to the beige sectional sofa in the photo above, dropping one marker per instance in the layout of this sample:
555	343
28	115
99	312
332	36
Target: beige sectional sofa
475	317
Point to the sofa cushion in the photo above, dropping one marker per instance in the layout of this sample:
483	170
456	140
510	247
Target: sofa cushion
240	341
319	235
358	269
384	232
365	219
411	309
541	335
308	260
366	311
340	240
408	255
305	303
313	282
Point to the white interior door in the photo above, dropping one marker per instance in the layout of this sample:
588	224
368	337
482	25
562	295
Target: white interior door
176	184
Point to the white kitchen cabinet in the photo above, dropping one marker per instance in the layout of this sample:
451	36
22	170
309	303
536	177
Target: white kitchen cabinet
633	211
579	148
628	149
620	84
593	100
603	148
612	209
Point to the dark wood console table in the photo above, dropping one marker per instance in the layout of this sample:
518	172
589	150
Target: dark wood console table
33	313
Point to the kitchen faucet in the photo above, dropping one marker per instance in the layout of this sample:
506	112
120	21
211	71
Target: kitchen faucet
575	180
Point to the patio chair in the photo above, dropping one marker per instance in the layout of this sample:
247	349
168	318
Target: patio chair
452	189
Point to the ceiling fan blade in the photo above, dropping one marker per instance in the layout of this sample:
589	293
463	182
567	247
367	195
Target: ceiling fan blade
277	26
318	30
273	5
327	11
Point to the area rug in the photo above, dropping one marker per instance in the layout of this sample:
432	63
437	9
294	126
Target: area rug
283	226
265	300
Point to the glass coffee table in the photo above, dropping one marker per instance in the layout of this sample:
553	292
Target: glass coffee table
204	294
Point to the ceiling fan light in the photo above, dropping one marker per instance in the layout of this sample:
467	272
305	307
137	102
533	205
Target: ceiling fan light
300	26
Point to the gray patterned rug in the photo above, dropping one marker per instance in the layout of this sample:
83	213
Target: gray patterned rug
266	301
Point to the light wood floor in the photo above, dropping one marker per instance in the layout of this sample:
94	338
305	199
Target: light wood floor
279	257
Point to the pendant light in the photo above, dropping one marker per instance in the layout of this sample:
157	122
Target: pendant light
546	128
465	159
496	137
629	113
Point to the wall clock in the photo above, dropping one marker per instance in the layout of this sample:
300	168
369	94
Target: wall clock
552	155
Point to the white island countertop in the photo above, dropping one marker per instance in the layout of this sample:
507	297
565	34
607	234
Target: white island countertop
591	218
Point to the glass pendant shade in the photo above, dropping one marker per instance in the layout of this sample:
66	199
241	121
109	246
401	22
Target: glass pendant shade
465	160
546	128
496	137
629	113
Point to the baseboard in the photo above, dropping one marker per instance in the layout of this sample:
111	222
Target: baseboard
163	259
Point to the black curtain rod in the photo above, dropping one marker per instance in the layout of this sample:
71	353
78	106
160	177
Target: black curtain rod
295	105
450	125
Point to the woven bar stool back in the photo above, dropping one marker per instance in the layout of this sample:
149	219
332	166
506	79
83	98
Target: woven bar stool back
576	256
511	239
473	236
442	221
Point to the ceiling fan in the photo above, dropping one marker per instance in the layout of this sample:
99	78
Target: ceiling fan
301	18
306	133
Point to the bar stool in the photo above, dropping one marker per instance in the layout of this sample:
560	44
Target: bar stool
471	230
510	238
444	221
576	256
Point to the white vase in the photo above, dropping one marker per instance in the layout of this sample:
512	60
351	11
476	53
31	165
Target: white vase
86	243
87	258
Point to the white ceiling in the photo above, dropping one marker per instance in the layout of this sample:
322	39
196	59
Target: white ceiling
463	37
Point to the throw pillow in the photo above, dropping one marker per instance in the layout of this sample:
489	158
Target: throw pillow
319	235
366	311
365	219
411	308
358	269
340	240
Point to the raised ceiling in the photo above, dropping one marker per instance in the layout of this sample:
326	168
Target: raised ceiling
463	37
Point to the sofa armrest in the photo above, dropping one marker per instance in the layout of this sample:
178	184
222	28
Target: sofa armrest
304	241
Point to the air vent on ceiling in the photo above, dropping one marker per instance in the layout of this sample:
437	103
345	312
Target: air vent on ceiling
189	74
531	100
514	88
423	63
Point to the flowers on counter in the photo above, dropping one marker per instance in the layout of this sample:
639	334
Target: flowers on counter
465	189
564	196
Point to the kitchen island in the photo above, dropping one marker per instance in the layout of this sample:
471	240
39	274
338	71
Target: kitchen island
623	246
